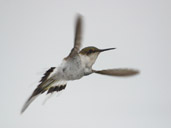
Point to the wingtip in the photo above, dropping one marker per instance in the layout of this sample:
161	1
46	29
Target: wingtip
23	109
136	71
27	103
79	18
78	15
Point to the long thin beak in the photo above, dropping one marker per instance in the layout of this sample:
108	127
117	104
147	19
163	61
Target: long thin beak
102	50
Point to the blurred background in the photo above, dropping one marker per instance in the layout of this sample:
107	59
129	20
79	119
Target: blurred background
38	34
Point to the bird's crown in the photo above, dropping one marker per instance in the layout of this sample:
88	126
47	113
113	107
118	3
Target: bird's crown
89	50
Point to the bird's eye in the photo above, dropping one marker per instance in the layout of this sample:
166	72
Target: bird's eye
90	51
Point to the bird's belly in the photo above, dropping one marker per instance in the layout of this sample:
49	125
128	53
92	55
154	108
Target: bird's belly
73	70
73	74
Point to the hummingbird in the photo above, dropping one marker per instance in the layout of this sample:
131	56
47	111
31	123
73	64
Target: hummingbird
73	67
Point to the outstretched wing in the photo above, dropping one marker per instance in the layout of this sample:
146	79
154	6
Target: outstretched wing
46	84
117	72
41	88
78	37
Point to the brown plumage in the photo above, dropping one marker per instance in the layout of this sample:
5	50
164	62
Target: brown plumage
78	37
117	72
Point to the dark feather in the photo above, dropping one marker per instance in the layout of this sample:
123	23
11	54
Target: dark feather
56	88
46	74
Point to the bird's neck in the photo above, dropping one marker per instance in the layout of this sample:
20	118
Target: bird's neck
87	61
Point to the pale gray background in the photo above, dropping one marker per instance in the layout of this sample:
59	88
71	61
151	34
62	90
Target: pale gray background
38	34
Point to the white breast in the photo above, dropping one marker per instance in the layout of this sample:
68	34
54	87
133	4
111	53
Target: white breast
72	68
88	61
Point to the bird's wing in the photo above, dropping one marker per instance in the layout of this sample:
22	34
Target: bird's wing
59	86
78	37
47	83
117	72
41	88
47	74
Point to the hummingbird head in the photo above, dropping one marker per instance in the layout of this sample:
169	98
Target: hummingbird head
90	54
